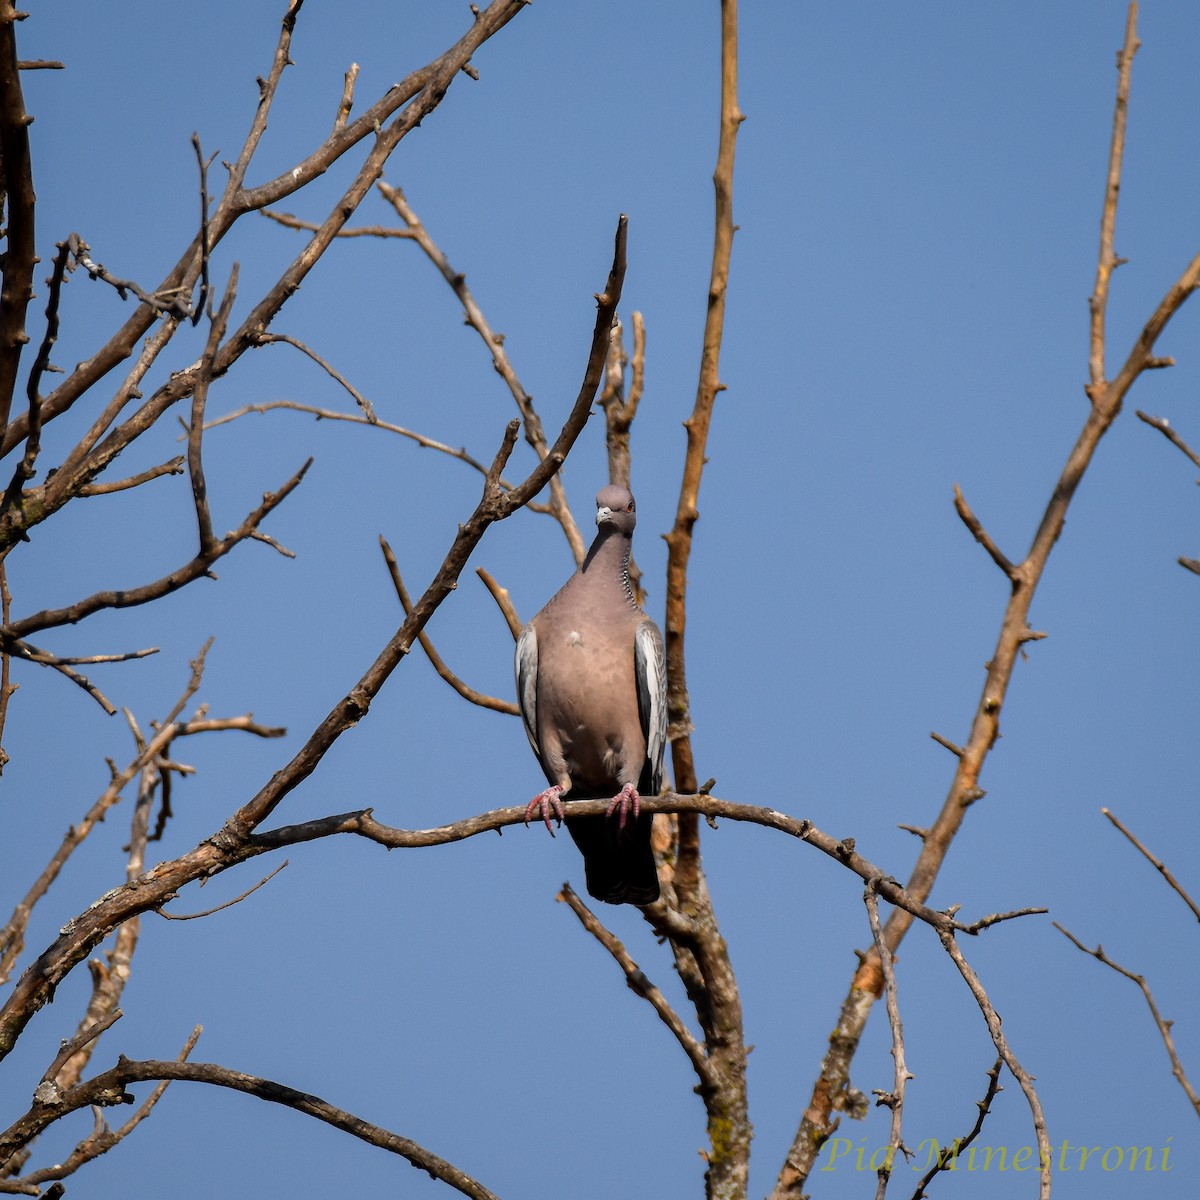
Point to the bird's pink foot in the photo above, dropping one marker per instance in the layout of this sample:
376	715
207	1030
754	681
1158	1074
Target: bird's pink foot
547	803
622	802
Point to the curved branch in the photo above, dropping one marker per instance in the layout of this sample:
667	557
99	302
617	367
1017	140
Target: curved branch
362	823
109	1087
1163	1026
1010	1059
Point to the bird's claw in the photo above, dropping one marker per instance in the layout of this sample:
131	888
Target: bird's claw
622	802
546	803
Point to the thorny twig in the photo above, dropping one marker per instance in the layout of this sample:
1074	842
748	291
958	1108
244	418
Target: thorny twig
992	1019
946	1157
1163	1026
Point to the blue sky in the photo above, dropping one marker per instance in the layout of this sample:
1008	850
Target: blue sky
918	192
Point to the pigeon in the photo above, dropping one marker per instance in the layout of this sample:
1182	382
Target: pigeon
591	686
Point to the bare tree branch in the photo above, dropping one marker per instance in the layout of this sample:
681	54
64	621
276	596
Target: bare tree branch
172	467
641	986
1163	1026
368	409
231	844
21	251
1164	427
329	414
532	423
204	525
362	823
109	1088
467	692
981	535
1157	863
407	101
1107	260
946	1158
208	912
1019	1073
33	444
12	936
128	597
503	602
900	1076
1107	400
704	962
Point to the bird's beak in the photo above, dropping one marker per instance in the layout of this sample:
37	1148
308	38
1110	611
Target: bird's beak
603	513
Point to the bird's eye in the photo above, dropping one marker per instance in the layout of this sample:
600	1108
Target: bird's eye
629	506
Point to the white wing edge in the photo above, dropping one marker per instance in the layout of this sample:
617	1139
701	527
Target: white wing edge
650	661
526	664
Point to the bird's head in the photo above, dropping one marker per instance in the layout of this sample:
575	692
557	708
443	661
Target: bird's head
615	507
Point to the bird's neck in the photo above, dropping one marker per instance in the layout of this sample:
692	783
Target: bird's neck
608	562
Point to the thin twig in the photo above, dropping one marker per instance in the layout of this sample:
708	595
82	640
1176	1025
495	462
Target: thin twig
291	221
208	912
6	685
202	165
199	566
981	535
12	936
1157	863
946	1157
1163	1026
31	653
947	743
172	467
900	1076
503	602
1106	260
347	101
33	443
1164	427
329	414
467	692
532	423
992	1018
367	407
641	986
204	525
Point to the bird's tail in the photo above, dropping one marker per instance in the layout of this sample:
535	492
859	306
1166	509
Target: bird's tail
618	863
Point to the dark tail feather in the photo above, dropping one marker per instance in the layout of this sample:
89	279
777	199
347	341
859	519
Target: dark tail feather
618	863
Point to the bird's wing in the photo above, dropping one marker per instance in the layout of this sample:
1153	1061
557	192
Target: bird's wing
527	669
651	668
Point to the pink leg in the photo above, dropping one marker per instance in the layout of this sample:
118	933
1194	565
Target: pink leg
626	798
547	802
